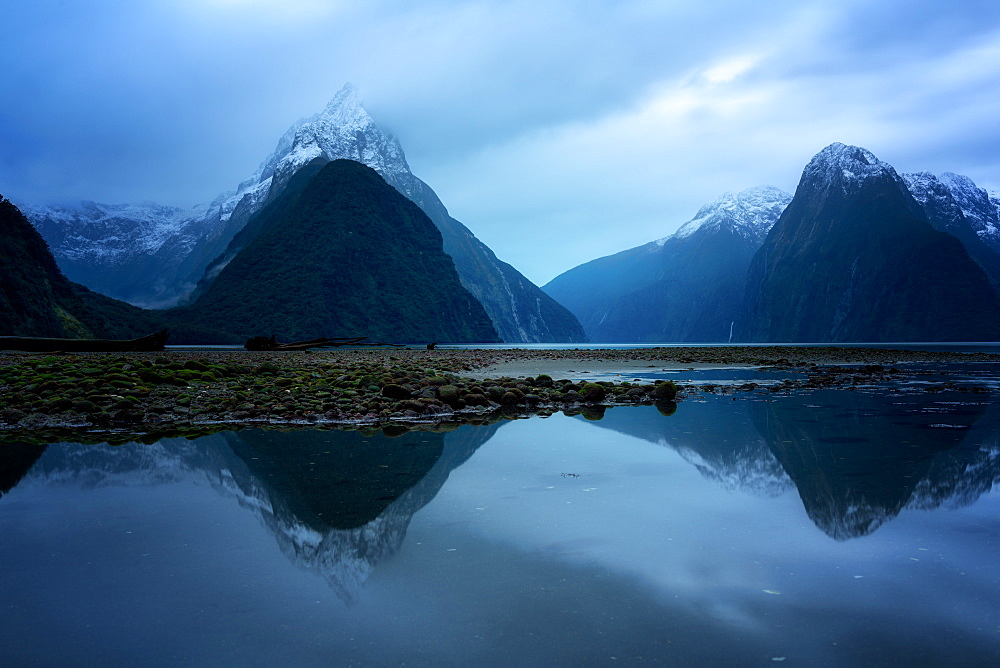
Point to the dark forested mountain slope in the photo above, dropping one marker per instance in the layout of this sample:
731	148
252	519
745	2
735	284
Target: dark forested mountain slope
340	253
36	299
854	258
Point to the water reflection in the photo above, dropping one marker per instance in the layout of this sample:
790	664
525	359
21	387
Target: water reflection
337	502
556	543
717	437
856	459
16	459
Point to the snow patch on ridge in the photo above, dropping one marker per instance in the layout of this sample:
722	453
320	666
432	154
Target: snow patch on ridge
750	213
846	165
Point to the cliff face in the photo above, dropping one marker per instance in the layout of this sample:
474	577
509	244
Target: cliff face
854	258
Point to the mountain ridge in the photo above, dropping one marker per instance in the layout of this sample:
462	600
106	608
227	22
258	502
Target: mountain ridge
854	258
197	241
686	287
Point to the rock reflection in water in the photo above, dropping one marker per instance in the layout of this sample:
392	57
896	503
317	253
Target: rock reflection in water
337	502
857	459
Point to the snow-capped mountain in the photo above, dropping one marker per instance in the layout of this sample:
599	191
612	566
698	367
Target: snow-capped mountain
152	255
685	287
750	213
968	222
982	209
520	311
133	252
343	556
854	258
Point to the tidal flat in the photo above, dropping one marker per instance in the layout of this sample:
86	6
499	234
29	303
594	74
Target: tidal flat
127	396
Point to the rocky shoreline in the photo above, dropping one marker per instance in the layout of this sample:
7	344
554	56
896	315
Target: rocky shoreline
143	396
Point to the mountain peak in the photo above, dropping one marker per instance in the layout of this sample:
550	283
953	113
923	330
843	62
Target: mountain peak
845	164
344	109
344	129
347	96
750	212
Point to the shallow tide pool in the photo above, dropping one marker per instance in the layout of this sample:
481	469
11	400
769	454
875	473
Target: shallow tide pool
831	528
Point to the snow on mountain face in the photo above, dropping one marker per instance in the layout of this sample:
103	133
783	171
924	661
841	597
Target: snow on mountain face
845	167
934	196
980	208
750	213
344	129
111	233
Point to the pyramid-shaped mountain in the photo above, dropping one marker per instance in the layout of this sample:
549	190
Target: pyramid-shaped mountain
340	253
155	256
854	258
688	287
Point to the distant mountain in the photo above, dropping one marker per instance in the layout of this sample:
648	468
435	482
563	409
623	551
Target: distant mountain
938	198
36	299
688	287
140	253
155	256
340	253
981	208
854	258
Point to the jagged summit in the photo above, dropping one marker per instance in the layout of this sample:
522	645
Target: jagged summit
750	213
981	208
345	105
845	167
344	129
195	249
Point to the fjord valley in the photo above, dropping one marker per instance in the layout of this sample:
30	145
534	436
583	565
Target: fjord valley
671	338
859	254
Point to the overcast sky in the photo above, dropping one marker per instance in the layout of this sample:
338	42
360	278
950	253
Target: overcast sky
557	131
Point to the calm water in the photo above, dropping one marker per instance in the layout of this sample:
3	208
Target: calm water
836	528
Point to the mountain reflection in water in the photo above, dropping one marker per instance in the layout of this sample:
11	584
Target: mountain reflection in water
340	502
337	502
557	542
856	458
